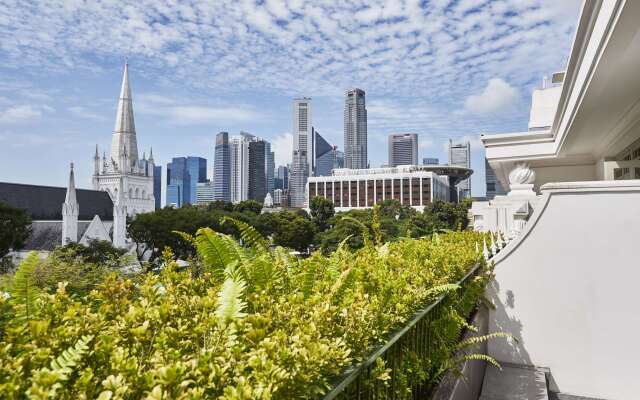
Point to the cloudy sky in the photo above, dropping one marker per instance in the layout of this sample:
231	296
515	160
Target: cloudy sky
443	69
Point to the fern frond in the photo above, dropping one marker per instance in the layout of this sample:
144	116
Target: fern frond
343	243
480	357
185	236
24	290
342	284
68	360
231	302
440	289
309	279
435	238
475	340
215	249
249	235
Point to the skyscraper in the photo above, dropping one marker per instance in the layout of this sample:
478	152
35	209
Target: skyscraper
157	185
403	149
355	130
205	192
257	176
322	156
494	188
239	157
302	158
183	176
222	168
460	155
269	167
177	182
197	172
282	177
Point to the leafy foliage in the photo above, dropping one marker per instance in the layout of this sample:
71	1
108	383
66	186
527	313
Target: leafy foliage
23	289
14	228
254	324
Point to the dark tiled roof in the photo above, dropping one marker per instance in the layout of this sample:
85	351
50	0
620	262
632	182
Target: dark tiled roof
45	202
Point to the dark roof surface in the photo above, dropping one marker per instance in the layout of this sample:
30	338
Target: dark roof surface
45	202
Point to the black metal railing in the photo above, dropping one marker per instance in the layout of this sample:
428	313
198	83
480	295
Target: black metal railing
414	340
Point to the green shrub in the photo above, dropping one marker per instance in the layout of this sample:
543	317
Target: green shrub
256	324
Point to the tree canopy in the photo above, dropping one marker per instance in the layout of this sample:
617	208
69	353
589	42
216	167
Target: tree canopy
15	228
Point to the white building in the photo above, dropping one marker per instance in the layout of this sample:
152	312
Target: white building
123	170
411	185
566	282
302	157
239	155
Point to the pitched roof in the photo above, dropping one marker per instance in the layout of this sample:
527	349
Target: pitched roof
45	202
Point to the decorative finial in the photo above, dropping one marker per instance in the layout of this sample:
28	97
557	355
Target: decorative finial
71	166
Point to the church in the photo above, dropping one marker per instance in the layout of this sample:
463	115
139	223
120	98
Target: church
123	170
122	187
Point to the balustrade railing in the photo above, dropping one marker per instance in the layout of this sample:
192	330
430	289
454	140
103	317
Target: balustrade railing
417	339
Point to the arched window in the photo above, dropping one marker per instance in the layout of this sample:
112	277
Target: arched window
144	194
130	193
137	193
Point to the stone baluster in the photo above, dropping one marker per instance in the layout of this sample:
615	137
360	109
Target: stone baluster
485	251
494	249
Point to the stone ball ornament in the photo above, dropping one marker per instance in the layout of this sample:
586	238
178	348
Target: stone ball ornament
522	175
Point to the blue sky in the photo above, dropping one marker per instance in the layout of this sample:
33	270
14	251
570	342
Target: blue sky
442	69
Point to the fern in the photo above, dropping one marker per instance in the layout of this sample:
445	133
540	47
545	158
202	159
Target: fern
23	290
68	360
249	235
342	284
309	279
231	302
45	382
475	340
215	249
481	357
442	289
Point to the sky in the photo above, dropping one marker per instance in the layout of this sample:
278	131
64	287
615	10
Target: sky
449	69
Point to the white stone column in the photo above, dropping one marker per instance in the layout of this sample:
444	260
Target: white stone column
421	178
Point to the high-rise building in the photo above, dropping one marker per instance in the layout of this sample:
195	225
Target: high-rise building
222	168
302	158
430	161
257	176
277	197
460	155
197	170
494	188
403	149
205	192
157	185
178	186
183	176
269	167
123	171
239	157
355	130
282	177
322	156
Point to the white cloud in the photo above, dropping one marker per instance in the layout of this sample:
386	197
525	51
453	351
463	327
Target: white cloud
282	146
85	113
17	114
497	96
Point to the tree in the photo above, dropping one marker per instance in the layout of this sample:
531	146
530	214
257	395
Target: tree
444	215
293	231
321	212
248	205
343	228
15	228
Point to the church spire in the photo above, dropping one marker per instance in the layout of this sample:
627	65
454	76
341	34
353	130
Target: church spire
124	132
70	198
70	212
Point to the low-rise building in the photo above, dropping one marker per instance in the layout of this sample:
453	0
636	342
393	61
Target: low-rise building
412	185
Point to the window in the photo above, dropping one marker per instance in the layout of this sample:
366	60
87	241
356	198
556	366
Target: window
491	187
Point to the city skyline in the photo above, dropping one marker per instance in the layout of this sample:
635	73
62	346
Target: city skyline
63	96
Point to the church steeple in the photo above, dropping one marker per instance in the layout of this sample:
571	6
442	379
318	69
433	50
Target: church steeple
124	132
70	211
